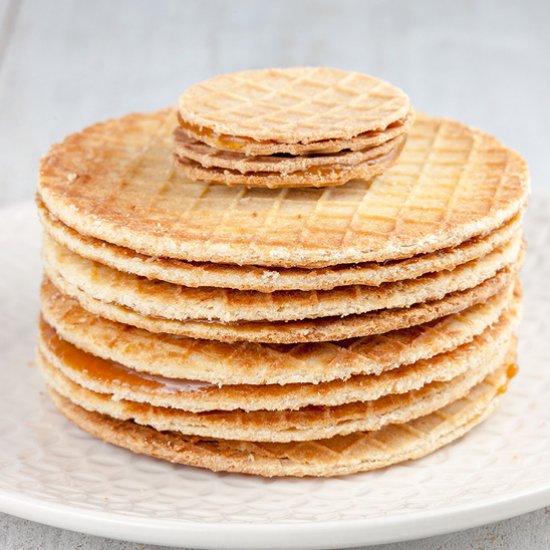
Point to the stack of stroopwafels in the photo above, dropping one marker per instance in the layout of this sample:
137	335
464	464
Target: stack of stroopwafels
294	128
248	294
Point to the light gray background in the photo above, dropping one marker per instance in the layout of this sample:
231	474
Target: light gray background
65	64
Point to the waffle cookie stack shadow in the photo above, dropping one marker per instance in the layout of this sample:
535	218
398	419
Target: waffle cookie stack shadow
290	274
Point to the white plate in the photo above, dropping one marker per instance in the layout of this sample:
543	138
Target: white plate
53	473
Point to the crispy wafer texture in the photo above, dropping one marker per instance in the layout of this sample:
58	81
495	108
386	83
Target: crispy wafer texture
262	279
320	176
250	363
117	181
325	146
168	301
309	330
357	452
297	105
284	165
306	424
108	377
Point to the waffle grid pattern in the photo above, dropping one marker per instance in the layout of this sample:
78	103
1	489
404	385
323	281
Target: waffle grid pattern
246	362
307	330
209	157
166	300
197	274
293	105
305	424
359	451
479	185
109	377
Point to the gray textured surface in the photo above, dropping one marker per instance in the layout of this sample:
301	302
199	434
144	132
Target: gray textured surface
65	64
527	532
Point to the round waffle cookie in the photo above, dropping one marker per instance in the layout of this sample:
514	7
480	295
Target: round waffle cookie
295	110
339	455
168	301
199	153
250	363
307	330
326	172
105	376
279	426
193	274
118	181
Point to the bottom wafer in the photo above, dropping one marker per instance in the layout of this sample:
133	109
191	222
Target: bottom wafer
305	424
339	455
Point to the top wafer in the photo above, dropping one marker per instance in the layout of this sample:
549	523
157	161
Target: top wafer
275	107
331	126
118	181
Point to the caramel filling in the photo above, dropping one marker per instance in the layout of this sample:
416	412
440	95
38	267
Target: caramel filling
110	372
220	140
331	170
321	171
226	141
511	371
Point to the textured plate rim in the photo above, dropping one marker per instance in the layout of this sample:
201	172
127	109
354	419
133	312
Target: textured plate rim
344	534
328	534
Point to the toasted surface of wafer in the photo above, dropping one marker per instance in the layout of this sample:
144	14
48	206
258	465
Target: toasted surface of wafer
118	181
378	161
296	105
168	301
273	279
324	146
284	165
282	426
308	330
357	452
250	363
104	376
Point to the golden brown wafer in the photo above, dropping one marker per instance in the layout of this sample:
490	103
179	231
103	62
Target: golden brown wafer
165	300
324	146
296	105
273	279
109	377
308	330
250	363
285	165
117	181
311	423
357	452
347	299
378	161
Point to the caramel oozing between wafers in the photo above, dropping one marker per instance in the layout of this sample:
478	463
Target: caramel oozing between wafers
110	371
235	142
511	372
331	170
221	140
